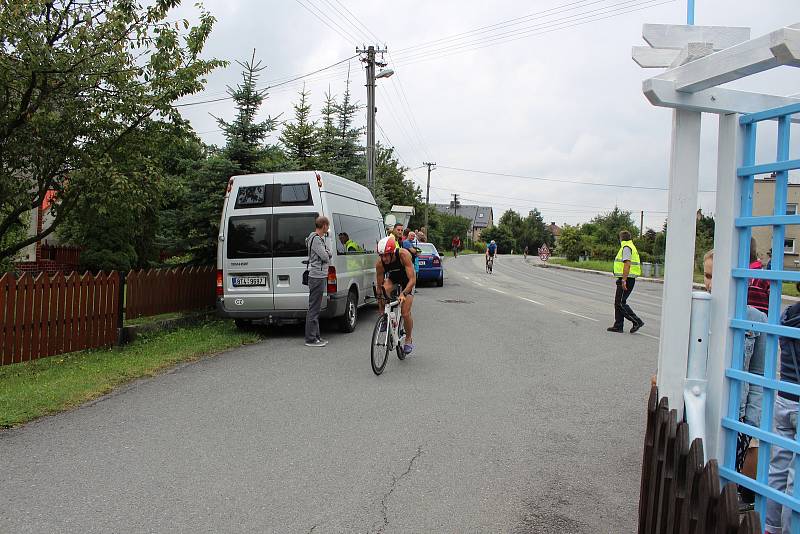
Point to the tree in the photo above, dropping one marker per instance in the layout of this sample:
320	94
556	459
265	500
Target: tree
328	136
349	153
79	79
245	136
570	244
299	138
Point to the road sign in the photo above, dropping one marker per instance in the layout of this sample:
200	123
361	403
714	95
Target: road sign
544	253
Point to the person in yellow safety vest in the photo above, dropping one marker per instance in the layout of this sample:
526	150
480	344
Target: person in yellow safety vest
627	267
350	246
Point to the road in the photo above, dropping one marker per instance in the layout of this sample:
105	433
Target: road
518	412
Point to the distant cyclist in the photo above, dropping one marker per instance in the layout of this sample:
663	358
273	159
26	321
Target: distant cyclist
525	253
395	268
455	244
491	251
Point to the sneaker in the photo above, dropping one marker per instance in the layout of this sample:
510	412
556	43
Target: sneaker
316	343
635	328
614	329
322	340
407	348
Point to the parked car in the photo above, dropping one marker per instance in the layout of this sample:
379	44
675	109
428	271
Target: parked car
262	252
430	264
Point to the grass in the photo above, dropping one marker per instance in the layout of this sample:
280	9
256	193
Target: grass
33	389
153	318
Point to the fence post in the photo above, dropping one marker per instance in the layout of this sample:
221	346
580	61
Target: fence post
121	307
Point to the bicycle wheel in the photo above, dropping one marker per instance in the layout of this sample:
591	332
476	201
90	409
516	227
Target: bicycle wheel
402	334
379	351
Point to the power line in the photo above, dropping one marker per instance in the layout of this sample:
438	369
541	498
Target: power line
270	86
347	37
573	182
560	26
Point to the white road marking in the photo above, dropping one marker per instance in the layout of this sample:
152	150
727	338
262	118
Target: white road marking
581	316
493	289
478	284
532	301
466	277
648	335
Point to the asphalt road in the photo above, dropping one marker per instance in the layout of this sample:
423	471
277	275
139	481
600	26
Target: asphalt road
518	412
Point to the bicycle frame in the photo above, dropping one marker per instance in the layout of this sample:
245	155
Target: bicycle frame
393	318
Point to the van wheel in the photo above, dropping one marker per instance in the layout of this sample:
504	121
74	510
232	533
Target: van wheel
243	324
347	322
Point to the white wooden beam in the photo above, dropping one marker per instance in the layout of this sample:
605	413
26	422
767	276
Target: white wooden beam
692	52
778	48
684	171
662	93
723	297
654	58
677	36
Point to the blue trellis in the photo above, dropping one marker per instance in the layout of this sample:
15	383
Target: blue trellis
772	329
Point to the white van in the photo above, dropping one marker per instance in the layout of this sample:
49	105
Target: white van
261	254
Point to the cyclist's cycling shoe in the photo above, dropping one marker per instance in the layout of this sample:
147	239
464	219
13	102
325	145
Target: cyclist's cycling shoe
407	348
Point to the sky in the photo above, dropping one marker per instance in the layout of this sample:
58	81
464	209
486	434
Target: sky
559	99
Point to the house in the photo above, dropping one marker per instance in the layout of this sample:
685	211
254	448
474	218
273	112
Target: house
555	230
763	204
481	216
48	255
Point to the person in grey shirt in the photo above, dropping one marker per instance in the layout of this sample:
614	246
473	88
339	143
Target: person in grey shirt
319	258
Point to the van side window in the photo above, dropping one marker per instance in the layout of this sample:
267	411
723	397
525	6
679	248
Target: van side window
249	237
295	194
356	235
290	232
251	196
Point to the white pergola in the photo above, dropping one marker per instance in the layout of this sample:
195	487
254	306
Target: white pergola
698	61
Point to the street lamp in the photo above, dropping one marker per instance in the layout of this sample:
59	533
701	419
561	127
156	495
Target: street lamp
385	73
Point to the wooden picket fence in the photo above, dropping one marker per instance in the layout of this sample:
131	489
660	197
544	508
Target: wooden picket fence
679	494
159	291
44	316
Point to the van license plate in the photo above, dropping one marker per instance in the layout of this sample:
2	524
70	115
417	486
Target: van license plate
249	281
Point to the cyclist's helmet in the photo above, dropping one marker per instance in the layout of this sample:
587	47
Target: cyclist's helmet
387	245
492	243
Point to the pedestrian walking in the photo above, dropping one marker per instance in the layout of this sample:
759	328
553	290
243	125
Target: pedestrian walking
626	268
319	258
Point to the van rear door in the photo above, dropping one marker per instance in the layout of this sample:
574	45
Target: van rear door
296	207
249	249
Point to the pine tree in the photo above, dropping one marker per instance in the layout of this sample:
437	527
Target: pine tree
245	136
300	139
327	136
350	154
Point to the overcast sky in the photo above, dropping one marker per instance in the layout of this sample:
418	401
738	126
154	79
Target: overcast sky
556	102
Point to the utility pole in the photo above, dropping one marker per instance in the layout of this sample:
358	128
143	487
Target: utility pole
431	166
641	225
371	62
455	204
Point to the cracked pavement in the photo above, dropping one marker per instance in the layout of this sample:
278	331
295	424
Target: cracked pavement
511	416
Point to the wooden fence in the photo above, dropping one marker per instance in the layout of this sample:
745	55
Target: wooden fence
678	493
44	316
169	290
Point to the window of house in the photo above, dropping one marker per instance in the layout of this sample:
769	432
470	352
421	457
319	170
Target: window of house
791	209
788	246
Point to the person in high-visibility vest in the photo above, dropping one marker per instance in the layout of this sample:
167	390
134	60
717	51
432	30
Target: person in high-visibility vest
627	267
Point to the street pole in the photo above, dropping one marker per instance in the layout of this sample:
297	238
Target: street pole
371	118
370	51
428	191
641	225
455	204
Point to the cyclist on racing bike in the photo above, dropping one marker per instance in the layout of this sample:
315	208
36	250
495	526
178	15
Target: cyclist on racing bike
491	250
395	268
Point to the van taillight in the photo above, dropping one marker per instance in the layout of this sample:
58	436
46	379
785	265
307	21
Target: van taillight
332	284
219	282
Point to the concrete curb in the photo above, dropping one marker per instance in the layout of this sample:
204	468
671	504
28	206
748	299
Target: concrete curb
130	333
695	285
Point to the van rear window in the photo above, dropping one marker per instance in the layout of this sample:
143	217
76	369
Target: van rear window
290	232
250	237
295	194
251	196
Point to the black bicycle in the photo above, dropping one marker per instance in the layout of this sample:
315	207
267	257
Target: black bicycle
489	264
